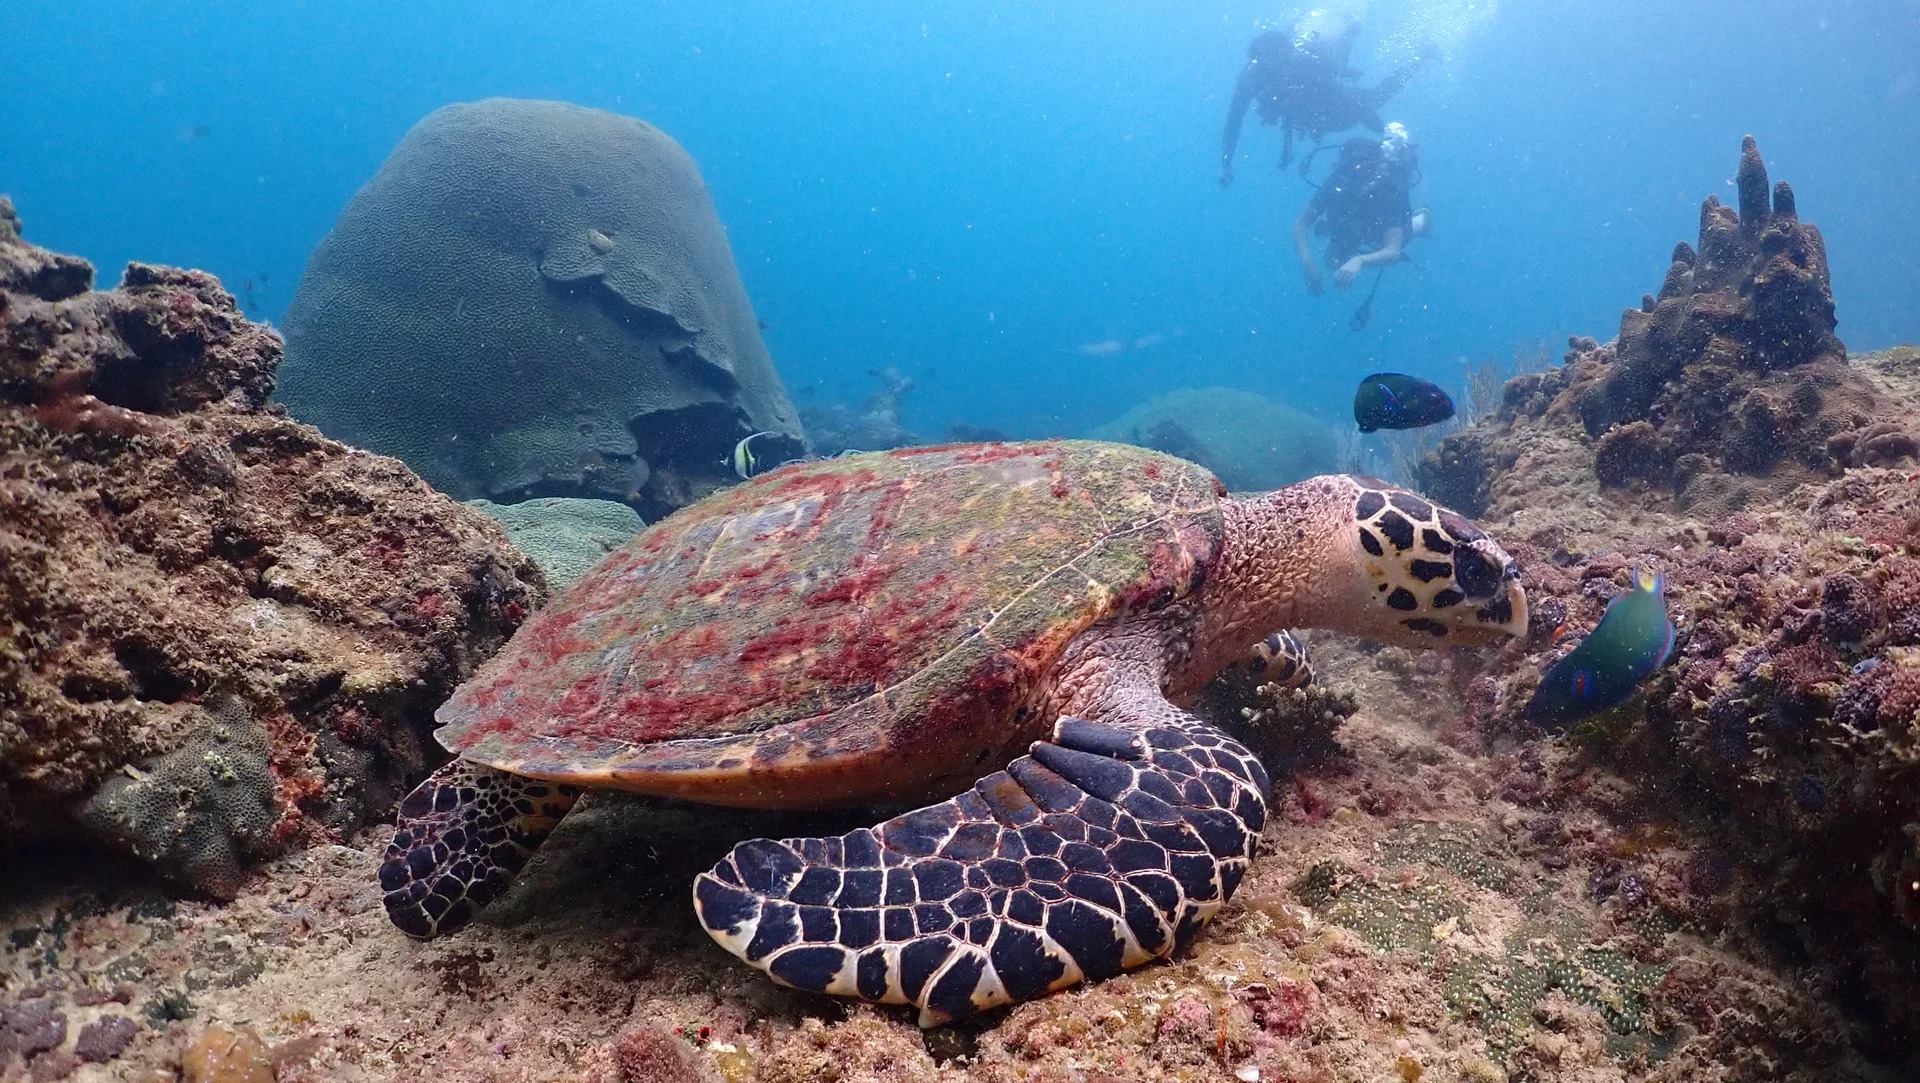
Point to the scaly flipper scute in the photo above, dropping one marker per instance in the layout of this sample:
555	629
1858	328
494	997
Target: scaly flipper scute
460	838
1101	850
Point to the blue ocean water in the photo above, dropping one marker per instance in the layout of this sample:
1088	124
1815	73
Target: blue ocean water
1015	203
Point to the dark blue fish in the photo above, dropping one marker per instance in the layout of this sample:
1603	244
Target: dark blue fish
1633	638
1390	400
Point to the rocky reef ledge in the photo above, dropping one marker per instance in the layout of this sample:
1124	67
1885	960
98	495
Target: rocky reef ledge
1726	440
221	634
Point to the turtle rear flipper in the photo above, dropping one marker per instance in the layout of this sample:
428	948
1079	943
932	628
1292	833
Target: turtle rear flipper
459	839
1099	851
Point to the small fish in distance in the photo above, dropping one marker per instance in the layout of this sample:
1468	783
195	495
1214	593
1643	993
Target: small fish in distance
1390	400
1634	637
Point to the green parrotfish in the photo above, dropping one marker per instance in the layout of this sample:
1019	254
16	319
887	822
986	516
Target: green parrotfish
1633	638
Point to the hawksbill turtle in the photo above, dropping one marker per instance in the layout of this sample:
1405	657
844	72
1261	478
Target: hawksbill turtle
1005	631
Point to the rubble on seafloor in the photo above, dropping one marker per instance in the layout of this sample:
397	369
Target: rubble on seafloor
1704	884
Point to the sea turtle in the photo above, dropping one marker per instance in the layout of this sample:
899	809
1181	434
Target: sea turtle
1014	623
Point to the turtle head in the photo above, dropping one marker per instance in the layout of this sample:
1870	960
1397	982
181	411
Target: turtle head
1432	577
1393	566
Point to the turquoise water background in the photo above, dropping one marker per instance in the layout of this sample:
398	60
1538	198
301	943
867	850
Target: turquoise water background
978	192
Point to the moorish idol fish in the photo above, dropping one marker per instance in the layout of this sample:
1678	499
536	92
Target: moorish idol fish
1633	638
1389	400
744	462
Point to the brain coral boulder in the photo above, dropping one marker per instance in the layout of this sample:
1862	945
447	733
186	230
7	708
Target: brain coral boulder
220	632
535	299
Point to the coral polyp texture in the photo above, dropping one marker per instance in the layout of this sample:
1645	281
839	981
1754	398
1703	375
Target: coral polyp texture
532	298
1726	441
220	632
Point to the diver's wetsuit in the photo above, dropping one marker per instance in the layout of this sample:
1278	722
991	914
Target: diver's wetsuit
1358	204
1305	91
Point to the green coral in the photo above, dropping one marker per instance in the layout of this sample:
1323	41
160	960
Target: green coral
1389	918
564	535
199	811
1500	994
1451	847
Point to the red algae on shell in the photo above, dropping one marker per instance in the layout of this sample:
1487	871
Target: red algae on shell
879	584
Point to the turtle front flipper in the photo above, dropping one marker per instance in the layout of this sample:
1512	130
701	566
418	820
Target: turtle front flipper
1101	850
459	839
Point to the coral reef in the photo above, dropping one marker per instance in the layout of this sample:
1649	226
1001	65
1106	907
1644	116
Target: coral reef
1726	442
1250	442
1414	914
220	633
565	535
1718	880
1785	732
536	299
1727	386
875	426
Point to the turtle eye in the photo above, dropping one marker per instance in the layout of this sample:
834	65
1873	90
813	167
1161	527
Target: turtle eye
1478	575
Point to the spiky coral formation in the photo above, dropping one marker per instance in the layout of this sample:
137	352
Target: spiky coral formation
1728	386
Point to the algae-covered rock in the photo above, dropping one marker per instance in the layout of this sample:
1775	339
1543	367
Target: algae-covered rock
220	632
1726	442
565	535
533	298
1250	441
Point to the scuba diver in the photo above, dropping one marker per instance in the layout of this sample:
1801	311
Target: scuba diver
1299	78
1364	209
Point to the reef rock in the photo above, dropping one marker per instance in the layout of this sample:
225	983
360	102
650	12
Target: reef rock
1784	735
1250	441
1727	386
1726	442
535	299
220	632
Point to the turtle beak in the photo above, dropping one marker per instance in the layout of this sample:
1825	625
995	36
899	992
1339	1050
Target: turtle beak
1503	617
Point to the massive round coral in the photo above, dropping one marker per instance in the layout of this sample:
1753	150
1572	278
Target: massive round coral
534	298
